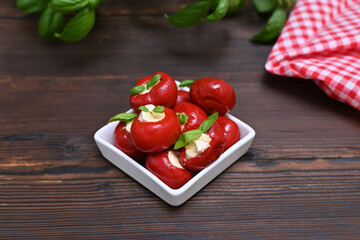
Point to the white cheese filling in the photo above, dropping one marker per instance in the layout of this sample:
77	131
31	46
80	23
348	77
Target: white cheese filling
150	117
174	159
147	90
128	126
197	146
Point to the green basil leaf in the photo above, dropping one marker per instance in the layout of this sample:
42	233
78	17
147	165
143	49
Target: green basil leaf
31	6
65	6
186	137
123	117
154	80
94	3
208	122
186	83
288	4
219	12
190	15
273	27
234	6
144	109
182	118
158	109
264	5
213	5
79	26
136	90
179	116
50	22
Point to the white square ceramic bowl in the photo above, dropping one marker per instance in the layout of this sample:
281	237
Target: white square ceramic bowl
104	140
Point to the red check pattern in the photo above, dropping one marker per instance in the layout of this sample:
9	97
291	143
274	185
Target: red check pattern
321	41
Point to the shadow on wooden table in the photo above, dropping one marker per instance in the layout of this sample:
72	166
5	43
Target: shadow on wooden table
306	91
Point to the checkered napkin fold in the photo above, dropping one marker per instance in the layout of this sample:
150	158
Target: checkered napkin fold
321	41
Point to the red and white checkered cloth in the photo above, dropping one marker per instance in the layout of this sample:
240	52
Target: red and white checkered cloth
321	41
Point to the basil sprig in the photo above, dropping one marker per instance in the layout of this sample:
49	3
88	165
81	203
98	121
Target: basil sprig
235	6
215	10
204	10
186	83
144	109
94	3
157	109
263	6
152	82
31	6
219	12
79	26
190	15
123	117
208	122
65	6
137	89
50	23
182	118
273	27
188	136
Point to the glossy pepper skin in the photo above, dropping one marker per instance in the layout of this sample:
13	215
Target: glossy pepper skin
164	93
123	141
213	95
152	137
201	161
160	165
231	131
195	113
182	96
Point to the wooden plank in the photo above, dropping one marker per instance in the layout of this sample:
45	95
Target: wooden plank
283	205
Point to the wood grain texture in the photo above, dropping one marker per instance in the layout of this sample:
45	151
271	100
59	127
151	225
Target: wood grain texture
299	180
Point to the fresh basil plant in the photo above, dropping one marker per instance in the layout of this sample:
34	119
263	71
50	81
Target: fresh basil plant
215	10
52	23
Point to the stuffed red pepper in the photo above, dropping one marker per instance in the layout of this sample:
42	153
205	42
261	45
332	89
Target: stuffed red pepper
158	89
155	129
166	166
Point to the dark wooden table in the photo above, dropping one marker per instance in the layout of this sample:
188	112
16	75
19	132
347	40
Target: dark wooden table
299	180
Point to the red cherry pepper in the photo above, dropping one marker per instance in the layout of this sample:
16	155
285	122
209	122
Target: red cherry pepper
201	161
160	165
231	131
152	137
212	95
195	113
164	93
123	141
182	96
